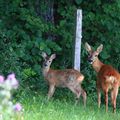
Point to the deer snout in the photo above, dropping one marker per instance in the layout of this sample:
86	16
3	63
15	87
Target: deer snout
90	60
45	64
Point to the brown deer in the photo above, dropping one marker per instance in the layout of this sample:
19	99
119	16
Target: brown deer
107	77
68	78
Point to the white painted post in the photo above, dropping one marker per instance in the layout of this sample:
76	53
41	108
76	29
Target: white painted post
77	54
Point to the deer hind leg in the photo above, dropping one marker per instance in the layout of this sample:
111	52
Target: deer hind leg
84	95
106	100
51	90
76	90
114	94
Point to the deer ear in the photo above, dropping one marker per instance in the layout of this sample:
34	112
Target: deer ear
44	55
53	56
99	49
88	47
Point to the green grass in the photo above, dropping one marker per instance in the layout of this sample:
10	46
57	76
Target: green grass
38	108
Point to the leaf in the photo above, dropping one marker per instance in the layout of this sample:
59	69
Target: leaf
42	46
98	2
78	2
28	72
105	55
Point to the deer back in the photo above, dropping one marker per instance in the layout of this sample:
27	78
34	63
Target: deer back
64	77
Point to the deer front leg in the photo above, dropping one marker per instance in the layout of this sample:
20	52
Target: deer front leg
98	92
51	90
99	97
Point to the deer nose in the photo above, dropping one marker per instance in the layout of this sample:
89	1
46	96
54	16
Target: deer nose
45	64
89	60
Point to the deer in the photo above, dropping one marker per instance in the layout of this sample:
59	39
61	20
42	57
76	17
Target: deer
69	78
108	78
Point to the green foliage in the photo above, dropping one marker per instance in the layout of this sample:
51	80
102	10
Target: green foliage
78	1
28	73
25	33
22	40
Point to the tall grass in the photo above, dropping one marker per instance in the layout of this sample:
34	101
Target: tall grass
36	107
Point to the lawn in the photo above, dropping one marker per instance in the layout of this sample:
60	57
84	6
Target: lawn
38	108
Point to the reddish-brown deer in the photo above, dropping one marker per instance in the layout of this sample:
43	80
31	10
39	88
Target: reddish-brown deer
107	77
68	78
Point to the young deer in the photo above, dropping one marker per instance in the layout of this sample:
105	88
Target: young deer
69	78
107	77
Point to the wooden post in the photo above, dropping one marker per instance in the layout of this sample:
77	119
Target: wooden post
77	51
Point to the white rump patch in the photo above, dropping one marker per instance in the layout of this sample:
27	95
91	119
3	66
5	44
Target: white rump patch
110	79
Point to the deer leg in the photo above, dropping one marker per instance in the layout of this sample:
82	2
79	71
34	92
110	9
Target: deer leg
99	97
114	94
112	98
84	97
76	91
51	90
106	100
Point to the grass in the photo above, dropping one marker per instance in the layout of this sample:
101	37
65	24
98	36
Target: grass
38	108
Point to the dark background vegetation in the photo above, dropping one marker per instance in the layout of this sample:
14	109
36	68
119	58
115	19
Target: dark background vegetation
28	27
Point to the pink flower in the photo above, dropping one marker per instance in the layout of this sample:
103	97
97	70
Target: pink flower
1	79
11	76
12	80
17	107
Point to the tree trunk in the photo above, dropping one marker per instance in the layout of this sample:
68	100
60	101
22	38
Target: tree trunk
45	9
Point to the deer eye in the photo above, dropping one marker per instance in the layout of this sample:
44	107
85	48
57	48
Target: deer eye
49	61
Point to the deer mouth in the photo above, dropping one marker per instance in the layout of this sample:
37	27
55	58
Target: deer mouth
91	62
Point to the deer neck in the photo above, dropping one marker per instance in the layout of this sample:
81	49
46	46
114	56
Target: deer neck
97	64
45	71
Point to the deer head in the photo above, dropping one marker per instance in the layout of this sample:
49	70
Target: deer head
47	59
93	55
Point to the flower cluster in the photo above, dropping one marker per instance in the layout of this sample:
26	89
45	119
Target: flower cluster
6	87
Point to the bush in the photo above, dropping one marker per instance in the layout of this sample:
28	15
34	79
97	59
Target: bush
25	33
